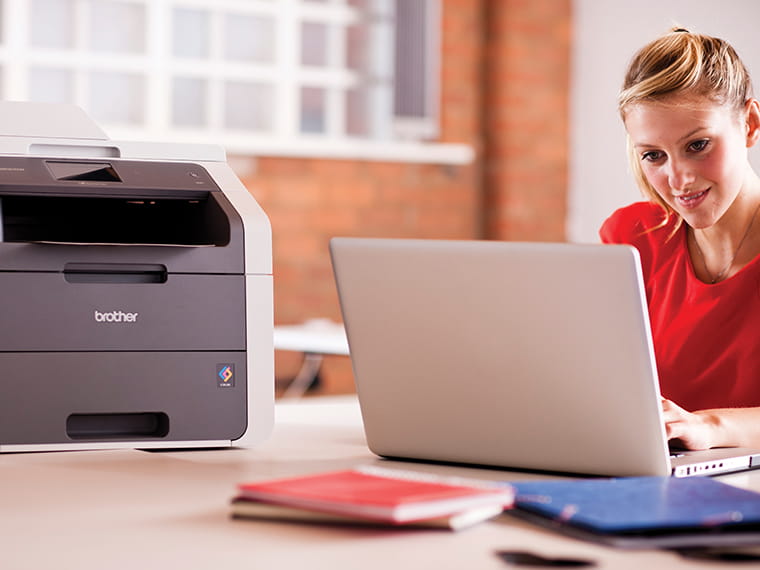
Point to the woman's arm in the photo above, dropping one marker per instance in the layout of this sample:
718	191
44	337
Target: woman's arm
724	427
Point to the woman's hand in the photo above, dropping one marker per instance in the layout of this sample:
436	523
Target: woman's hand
689	430
720	427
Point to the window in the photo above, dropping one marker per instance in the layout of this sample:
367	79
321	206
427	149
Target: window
282	73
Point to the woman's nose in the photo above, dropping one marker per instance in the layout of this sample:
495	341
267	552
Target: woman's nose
680	176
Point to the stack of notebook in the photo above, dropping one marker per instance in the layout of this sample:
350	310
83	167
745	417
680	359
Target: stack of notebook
375	496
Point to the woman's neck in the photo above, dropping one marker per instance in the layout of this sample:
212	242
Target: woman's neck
724	248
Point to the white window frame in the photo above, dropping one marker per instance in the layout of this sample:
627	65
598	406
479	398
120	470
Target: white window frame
397	139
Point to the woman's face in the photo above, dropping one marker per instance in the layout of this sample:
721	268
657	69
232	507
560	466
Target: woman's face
693	152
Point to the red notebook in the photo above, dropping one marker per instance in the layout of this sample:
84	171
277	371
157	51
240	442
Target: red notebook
381	494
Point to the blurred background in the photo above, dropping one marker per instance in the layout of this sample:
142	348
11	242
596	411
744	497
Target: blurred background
460	119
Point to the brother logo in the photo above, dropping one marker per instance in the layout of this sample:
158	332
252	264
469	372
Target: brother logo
115	317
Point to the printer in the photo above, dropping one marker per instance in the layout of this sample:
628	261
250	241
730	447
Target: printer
135	291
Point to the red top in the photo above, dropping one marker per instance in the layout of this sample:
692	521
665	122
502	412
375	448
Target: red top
706	337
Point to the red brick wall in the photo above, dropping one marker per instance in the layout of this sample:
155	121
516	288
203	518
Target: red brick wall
504	92
525	121
310	201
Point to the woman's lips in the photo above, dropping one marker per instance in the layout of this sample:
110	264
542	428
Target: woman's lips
692	200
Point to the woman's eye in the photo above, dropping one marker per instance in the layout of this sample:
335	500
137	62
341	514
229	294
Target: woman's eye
698	145
651	155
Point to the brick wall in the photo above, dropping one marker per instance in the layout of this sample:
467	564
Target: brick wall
504	91
525	121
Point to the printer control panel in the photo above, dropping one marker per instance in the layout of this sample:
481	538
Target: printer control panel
113	177
57	201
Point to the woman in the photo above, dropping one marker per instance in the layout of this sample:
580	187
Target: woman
690	117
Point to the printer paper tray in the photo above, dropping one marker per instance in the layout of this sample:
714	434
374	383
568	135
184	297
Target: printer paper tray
54	398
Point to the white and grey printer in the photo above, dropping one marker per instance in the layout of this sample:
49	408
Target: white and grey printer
135	291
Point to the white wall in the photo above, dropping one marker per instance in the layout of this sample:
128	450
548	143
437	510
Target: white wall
606	35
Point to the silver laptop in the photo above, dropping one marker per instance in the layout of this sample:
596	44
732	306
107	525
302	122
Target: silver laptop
520	355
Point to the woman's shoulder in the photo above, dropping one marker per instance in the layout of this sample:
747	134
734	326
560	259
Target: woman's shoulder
630	223
650	229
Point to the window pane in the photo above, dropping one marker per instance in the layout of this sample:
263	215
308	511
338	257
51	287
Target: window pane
312	110
314	44
190	37
383	8
249	106
357	44
357	113
51	23
249	38
51	85
189	102
411	61
117	27
116	97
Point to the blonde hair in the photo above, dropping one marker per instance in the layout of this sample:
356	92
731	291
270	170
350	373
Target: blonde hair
682	63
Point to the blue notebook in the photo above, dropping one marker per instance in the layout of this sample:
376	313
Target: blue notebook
644	511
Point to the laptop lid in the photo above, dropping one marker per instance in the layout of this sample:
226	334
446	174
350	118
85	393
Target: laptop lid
521	355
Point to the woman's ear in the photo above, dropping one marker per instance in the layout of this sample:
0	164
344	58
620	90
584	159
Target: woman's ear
752	122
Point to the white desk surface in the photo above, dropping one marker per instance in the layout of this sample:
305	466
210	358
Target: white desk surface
127	509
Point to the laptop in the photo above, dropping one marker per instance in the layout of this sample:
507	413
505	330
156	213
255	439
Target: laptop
534	356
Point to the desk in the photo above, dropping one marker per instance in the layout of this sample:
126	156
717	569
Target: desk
127	509
314	338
